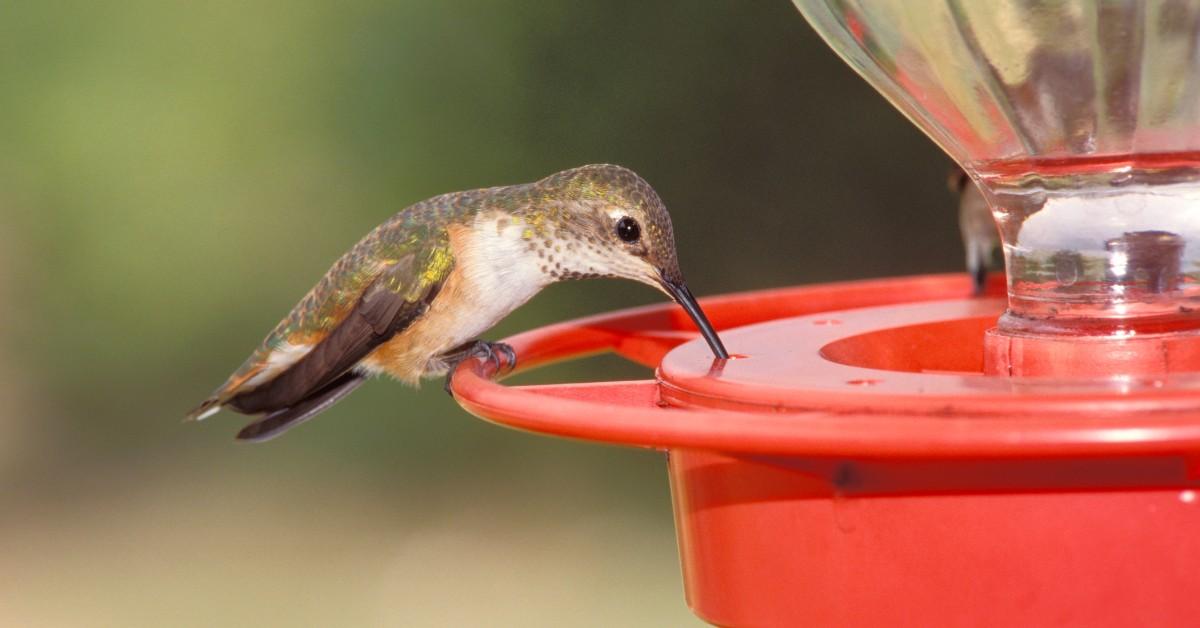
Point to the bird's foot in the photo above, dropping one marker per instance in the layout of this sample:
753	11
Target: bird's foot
498	353
501	355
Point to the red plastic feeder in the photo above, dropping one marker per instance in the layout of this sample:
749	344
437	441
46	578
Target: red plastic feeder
892	452
856	466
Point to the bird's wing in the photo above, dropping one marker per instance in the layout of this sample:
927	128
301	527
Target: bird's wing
373	292
277	422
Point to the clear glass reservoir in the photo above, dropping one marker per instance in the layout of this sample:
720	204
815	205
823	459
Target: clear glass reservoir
1080	120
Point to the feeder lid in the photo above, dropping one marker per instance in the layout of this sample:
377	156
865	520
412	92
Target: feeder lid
905	359
833	370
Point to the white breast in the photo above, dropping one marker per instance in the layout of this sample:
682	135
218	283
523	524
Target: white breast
499	273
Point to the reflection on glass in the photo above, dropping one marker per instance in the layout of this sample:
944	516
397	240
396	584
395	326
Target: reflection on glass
1080	120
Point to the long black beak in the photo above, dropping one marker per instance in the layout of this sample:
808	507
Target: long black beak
683	297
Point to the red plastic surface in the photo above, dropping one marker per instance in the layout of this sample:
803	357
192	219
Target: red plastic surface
793	396
857	467
768	543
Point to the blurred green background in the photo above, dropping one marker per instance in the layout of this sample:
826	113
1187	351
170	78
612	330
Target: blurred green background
174	176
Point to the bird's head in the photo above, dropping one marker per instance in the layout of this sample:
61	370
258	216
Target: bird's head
606	221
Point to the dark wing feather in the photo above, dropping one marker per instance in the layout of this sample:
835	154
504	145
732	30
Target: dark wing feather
372	292
280	421
375	290
387	307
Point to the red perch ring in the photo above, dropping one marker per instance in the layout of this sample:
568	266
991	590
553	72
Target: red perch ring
854	465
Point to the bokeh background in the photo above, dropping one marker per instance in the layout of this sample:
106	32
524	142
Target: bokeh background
174	176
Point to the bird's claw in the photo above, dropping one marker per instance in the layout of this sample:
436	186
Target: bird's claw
500	355
502	350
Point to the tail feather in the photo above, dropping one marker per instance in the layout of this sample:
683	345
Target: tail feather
279	421
206	409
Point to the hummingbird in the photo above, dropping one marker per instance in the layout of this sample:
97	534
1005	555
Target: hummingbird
978	229
411	298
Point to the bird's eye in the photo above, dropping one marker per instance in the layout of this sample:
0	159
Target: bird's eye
628	230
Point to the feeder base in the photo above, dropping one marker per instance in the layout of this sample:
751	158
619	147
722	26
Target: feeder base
857	465
804	542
